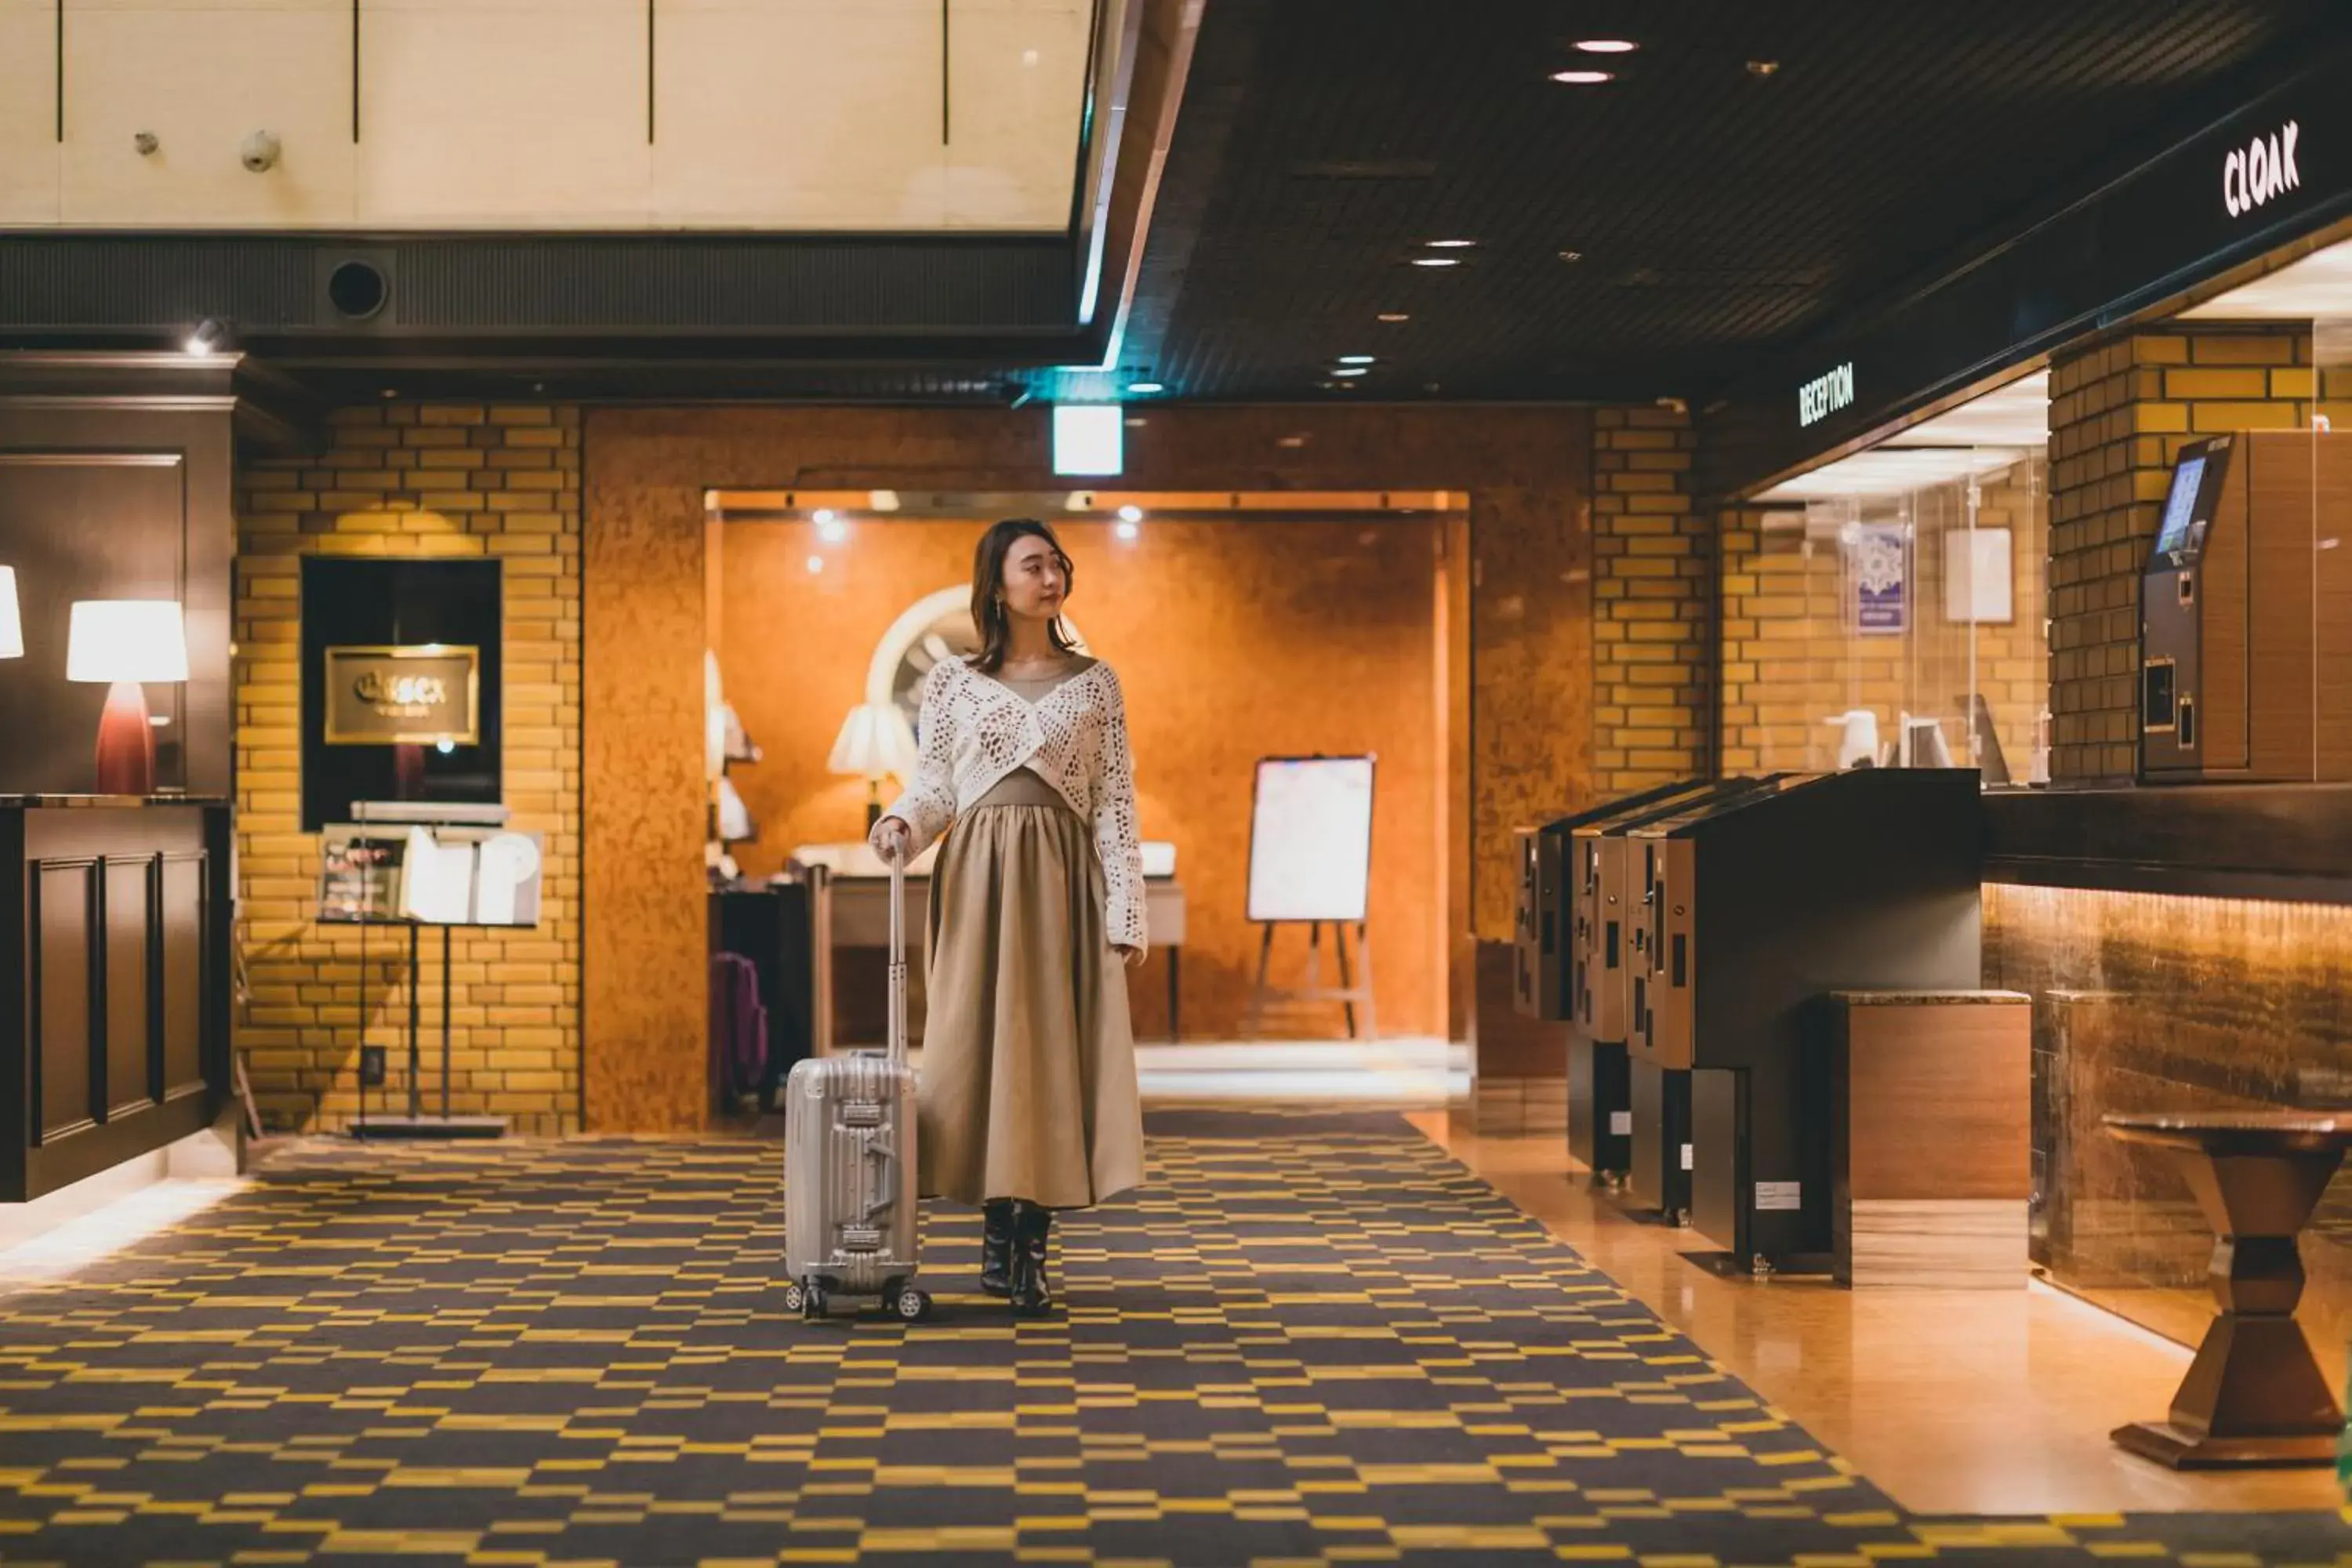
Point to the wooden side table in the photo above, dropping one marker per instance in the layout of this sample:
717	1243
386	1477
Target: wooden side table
2255	1396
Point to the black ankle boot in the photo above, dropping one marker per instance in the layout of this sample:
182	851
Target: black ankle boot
1031	1225
996	1247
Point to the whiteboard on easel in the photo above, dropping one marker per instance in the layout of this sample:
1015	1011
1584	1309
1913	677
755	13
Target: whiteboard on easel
1311	839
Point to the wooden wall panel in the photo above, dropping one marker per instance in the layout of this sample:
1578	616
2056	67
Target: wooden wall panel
61	966
115	483
120	991
182	965
129	1017
644	1015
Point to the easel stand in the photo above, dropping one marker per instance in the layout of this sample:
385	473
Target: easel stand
417	1124
1352	991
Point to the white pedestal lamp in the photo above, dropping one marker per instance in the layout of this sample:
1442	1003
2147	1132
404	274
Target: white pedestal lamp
875	742
122	643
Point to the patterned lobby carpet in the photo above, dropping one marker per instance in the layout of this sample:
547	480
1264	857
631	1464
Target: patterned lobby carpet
1312	1339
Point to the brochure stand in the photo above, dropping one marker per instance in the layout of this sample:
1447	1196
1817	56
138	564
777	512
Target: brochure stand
419	876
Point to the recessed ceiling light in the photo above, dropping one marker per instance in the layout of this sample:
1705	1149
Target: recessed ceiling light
1448	244
1355	359
1571	256
1436	261
1145	388
1349	370
1392	316
1606	46
1583	78
1763	67
1130	513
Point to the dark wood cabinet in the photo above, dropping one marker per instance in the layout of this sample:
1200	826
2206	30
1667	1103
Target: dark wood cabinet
114	1002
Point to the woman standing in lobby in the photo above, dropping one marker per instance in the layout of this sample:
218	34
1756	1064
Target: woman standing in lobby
1028	1091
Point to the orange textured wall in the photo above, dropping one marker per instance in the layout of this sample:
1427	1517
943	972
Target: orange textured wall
1528	474
1232	640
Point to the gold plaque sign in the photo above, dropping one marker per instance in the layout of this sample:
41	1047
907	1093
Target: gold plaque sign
420	695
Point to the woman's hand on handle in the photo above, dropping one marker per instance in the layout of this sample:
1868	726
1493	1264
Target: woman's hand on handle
1130	957
893	841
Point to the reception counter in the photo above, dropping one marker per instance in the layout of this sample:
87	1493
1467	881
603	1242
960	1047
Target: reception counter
2187	950
114	1002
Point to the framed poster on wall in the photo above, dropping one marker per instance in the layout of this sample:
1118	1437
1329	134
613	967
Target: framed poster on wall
1977	577
1878	558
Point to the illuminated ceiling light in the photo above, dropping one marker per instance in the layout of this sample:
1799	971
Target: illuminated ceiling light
206	336
1130	514
1448	244
1392	316
1088	438
1355	359
832	529
1763	67
824	515
815	563
1606	46
1583	78
1145	388
1571	256
1436	261
444	747
1349	370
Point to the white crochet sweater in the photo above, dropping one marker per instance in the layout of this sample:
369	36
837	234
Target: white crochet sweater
976	730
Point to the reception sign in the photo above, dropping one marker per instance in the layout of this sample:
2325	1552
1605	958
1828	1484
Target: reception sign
422	694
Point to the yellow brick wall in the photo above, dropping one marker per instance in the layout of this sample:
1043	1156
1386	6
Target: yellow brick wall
2120	411
1651	598
1790	660
416	481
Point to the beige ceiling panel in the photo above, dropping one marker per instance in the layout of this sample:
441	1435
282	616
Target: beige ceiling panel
28	104
524	114
201	77
797	114
1018	91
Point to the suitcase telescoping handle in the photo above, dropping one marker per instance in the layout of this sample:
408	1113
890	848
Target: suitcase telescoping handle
898	961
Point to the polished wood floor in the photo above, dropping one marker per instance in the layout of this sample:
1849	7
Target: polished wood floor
1954	1402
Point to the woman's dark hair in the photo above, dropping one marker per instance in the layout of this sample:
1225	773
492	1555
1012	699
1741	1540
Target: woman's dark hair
989	616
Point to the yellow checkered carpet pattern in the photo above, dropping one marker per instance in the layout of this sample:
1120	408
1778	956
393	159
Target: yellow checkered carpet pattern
1310	1339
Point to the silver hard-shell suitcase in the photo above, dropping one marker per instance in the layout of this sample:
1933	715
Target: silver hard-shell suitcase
850	1167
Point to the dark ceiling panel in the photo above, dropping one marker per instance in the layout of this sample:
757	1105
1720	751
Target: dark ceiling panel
1713	213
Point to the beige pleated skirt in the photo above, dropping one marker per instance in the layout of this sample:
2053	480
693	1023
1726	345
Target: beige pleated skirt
1028	1086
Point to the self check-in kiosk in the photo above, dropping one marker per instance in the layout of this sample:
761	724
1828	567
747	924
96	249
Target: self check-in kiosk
1602	934
2246	613
1756	907
1541	985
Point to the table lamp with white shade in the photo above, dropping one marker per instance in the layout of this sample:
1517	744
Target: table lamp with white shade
12	623
123	643
876	742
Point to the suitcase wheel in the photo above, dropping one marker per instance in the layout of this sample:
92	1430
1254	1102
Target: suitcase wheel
910	1304
793	1296
811	1299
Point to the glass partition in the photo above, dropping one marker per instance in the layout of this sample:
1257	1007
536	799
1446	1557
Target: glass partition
1893	614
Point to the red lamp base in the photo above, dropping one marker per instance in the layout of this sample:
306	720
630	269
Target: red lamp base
126	743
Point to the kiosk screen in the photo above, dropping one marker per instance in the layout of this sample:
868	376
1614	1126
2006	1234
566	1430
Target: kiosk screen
2180	506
